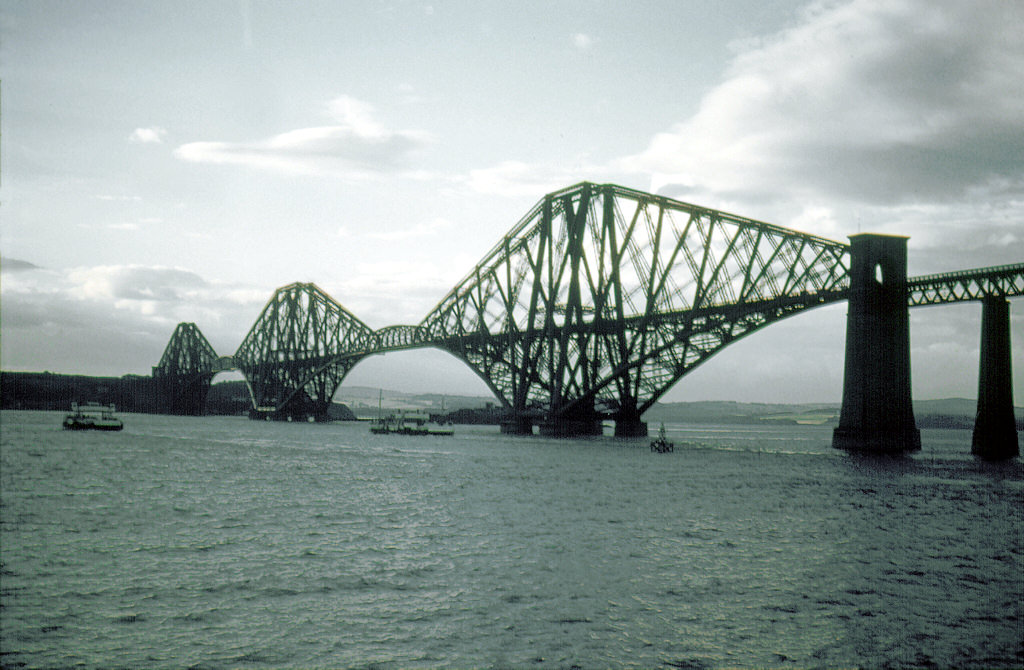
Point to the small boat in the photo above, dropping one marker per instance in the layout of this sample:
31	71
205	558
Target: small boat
661	445
92	416
397	424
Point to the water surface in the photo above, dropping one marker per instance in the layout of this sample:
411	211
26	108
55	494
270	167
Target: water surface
220	542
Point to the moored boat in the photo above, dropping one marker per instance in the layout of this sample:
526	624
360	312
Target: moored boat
401	424
397	424
92	416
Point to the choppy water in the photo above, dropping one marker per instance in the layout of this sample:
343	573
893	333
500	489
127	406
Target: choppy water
220	542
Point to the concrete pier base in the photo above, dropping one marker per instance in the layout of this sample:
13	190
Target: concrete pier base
571	428
519	425
995	428
885	441
630	428
877	414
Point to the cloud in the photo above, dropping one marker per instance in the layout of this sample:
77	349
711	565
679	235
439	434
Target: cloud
154	135
15	265
582	41
875	101
357	146
520	179
112	320
134	282
409	95
423	229
390	292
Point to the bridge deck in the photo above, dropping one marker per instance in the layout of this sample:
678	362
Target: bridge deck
966	285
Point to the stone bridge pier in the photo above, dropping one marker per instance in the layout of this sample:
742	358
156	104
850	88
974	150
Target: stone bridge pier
877	414
995	428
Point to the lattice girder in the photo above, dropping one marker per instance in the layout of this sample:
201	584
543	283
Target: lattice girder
977	284
185	371
394	338
599	286
187	353
300	348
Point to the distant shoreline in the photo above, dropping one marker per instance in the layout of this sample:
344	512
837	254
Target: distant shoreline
134	393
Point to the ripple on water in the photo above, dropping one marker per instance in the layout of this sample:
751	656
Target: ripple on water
219	542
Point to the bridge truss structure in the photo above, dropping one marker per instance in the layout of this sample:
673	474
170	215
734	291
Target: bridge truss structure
590	308
298	351
602	297
184	372
937	289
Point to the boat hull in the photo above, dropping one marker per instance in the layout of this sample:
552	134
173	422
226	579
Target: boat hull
409	431
71	423
399	424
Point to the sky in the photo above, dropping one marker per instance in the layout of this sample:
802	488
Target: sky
166	162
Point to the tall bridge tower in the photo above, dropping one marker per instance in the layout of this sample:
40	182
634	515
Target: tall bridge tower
995	428
185	370
877	412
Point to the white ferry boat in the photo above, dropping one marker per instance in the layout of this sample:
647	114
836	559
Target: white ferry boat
92	416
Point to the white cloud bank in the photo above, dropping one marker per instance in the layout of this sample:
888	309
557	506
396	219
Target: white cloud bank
890	116
356	146
111	320
520	179
154	135
582	41
876	101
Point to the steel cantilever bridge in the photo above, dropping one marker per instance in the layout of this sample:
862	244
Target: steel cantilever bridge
590	308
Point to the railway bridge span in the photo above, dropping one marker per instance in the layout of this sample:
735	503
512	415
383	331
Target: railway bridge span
601	298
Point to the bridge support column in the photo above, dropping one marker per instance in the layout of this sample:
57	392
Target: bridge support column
581	422
630	428
628	424
517	425
995	429
184	395
571	427
877	413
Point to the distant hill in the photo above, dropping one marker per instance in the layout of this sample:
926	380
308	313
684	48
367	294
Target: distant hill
947	407
49	391
131	393
233	398
728	412
364	401
946	413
